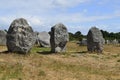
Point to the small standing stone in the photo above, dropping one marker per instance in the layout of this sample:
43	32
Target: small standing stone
95	40
115	42
83	42
43	39
20	37
3	37
59	38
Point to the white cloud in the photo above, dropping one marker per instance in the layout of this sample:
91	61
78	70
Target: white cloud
42	14
79	18
39	4
68	3
35	21
67	19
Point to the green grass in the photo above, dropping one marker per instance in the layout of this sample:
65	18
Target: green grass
41	73
8	71
36	49
115	56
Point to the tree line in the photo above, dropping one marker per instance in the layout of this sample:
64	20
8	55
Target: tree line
110	35
78	36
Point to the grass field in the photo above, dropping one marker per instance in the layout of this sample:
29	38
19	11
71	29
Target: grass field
74	64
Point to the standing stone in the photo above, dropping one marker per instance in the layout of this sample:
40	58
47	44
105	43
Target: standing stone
107	42
95	40
3	37
115	41
36	41
59	38
43	39
20	37
83	42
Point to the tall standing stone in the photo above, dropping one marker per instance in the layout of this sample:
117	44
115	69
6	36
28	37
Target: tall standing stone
95	40
59	38
20	37
3	37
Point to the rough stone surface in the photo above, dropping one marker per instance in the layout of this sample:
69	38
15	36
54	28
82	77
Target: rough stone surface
36	41
83	42
59	38
20	37
43	39
95	40
115	41
107	42
3	37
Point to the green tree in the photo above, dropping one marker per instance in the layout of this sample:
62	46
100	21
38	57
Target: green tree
110	36
78	36
71	36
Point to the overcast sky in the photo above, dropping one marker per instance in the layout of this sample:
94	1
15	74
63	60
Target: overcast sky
76	15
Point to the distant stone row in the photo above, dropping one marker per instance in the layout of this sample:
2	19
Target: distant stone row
20	38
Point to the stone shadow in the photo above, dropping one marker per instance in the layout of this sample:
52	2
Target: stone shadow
4	52
82	52
45	52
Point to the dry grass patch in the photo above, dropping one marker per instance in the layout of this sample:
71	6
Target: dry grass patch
74	64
